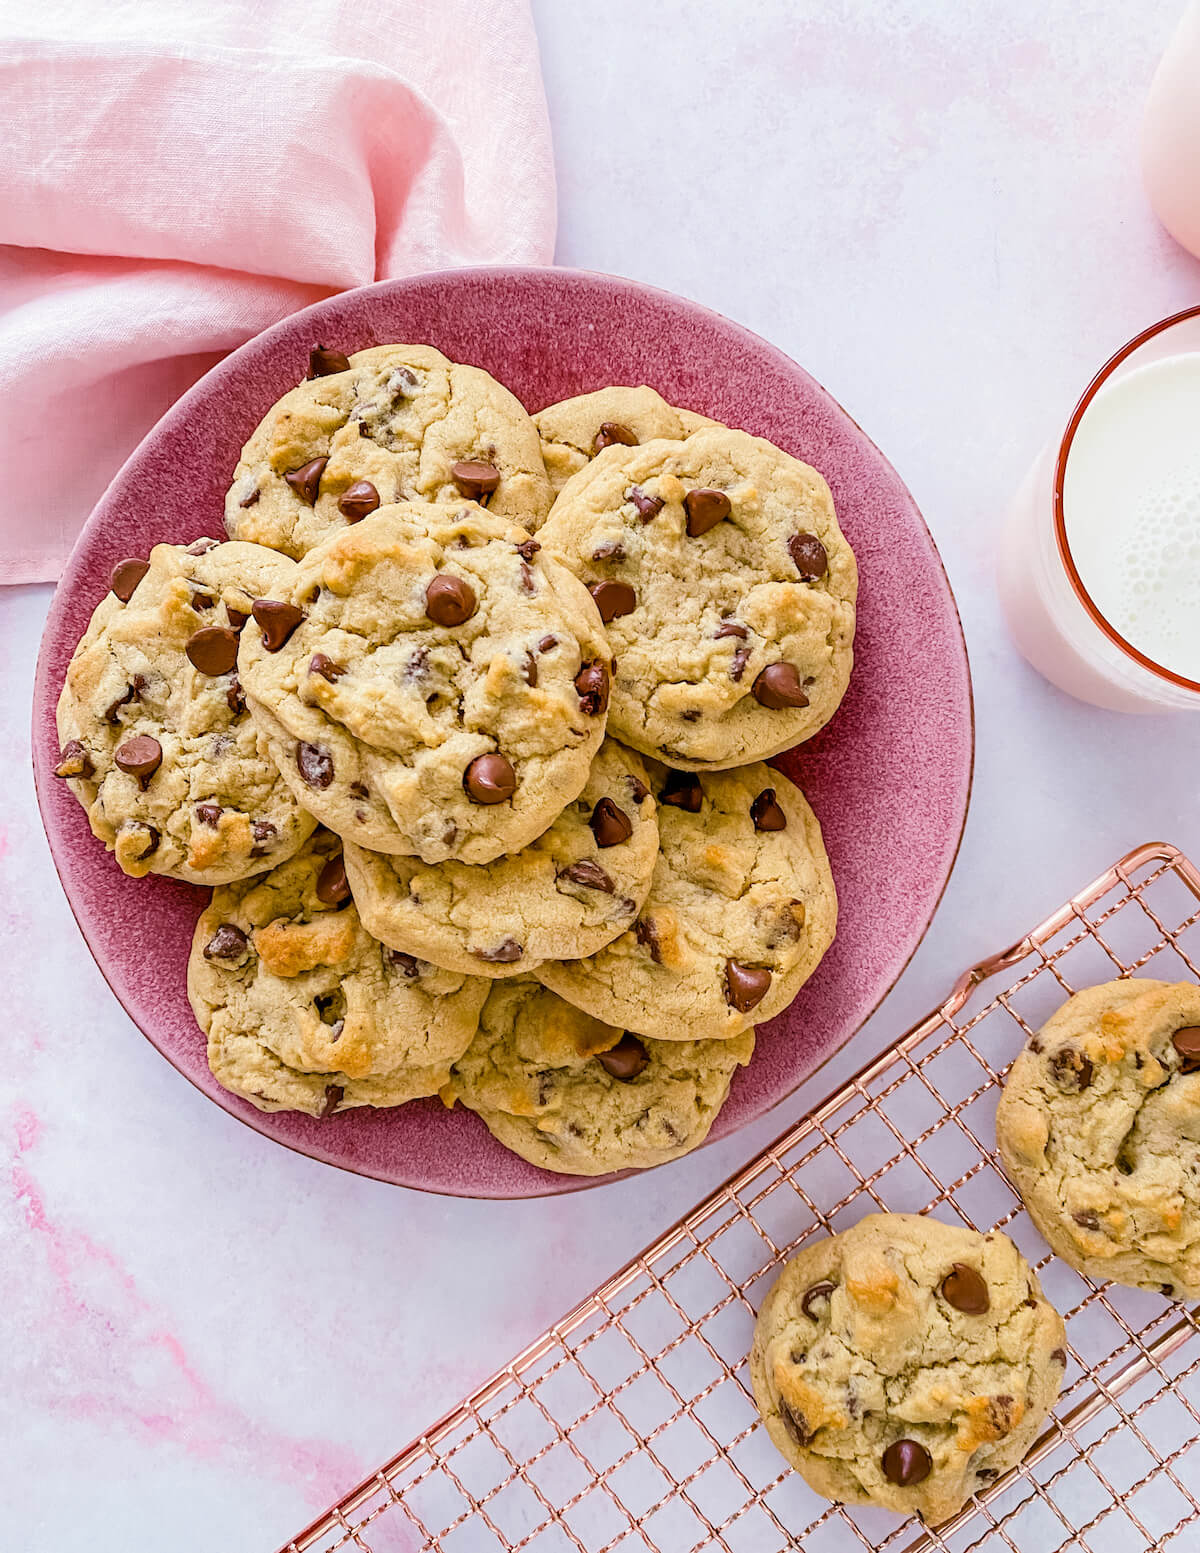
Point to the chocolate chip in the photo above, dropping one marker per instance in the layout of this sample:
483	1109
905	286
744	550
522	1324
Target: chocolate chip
610	824
588	874
126	575
648	506
964	1288
731	628
527	549
745	985
150	838
818	1292
236	619
809	555
1086	1219
638	790
592	686
359	790
737	664
1070	1069
475	479
987	1474
323	362
1059	1356
779	686
212	650
490	779
406	964
529	669
277	619
306	481
625	1060
1001	1412
74	761
357	500
795	1423
506	953
683	791
262	830
320	664
705	508
201	602
613	599
140	757
1186	1042
528	580
333	888
1167	1288
314	764
201	546
449	601
610	432
209	814
133	692
234	699
227	943
906	1463
646	932
611	550
766	813
334	1094
252	499
547	643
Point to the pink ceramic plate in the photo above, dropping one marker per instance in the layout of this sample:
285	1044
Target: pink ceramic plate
889	777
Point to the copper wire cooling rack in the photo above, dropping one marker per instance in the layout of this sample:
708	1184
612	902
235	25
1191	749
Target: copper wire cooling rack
630	1425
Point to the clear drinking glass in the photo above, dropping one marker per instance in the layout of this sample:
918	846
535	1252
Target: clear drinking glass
1053	617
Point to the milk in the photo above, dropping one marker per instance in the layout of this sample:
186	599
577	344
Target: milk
1171	134
1131	506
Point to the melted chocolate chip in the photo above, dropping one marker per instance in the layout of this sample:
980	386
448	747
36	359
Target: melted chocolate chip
610	432
766	813
406	964
638	790
333	888
126	575
201	546
529	669
227	943
357	501
547	643
506	953
234	699
737	664
964	1288
475	479
592	687
449	601
613	599
705	508
323	362
1186	1042
277	620
625	1060
490	779
1059	1356
150	838
201	602
235	617
906	1463
133	692
323	665
306	481
588	874
646	932
334	1094
74	761
251	500
314	764
209	814
779	686
1086	1219
262	830
795	1423
745	985
359	790
814	1296
212	650
1070	1069
527	549
647	506
731	628
809	555
610	824
140	757
611	550
682	791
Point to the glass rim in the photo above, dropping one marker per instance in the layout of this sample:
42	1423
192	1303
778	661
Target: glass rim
1060	524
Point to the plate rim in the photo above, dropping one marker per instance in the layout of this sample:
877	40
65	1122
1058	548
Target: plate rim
556	1185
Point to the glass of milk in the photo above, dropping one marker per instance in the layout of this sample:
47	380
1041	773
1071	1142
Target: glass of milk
1100	558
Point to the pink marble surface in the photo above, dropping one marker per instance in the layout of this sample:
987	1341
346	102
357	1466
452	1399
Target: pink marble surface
937	210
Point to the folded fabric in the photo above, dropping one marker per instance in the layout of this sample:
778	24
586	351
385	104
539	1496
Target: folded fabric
182	173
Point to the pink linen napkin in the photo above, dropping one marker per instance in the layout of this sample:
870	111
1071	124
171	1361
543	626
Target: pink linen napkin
178	174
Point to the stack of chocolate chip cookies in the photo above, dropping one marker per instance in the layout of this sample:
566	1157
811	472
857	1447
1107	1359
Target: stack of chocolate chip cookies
465	722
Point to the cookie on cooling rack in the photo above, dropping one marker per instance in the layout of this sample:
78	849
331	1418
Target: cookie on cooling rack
575	430
906	1363
1099	1130
571	1094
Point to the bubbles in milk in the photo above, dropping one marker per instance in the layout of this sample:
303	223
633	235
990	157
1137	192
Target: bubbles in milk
1132	509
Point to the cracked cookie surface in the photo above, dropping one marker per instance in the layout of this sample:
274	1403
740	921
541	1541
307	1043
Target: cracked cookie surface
431	683
741	909
727	590
156	741
575	430
391	427
1099	1130
566	894
571	1094
305	1011
906	1363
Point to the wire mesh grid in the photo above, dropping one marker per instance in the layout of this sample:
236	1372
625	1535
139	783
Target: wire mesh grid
630	1426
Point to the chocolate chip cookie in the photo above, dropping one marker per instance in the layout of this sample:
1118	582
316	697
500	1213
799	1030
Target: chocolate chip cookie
305	1011
575	430
1099	1131
727	590
394	423
156	742
568	893
430	682
573	1095
906	1363
741	909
